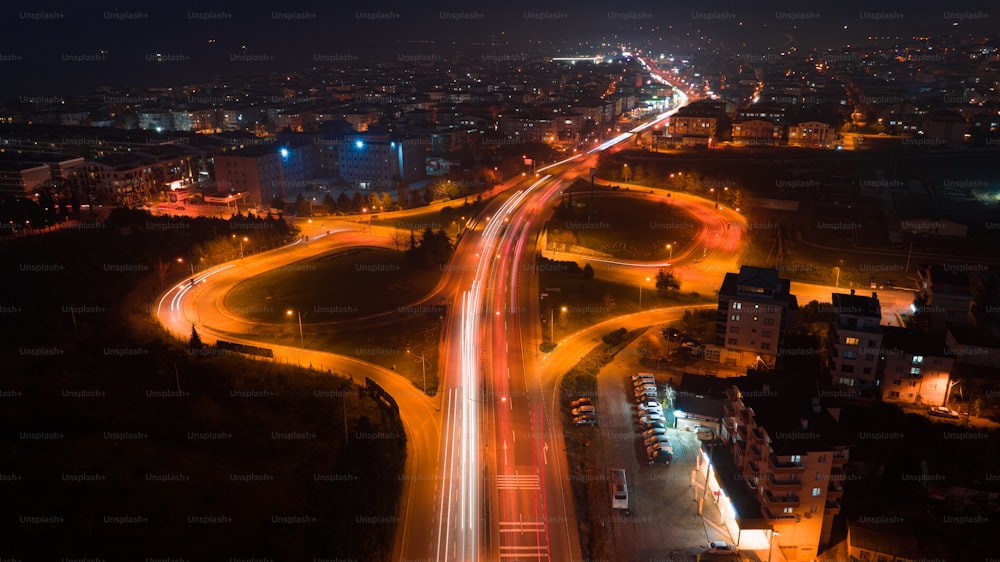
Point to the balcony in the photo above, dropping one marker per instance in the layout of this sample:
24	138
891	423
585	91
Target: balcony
758	434
729	423
840	459
783	484
784	467
773	516
755	452
754	467
832	506
780	501
835	491
837	474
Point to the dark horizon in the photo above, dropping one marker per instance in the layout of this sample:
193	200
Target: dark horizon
118	44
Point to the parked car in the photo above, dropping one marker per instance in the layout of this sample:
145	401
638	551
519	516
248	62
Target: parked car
643	376
659	446
650	406
645	396
646	418
720	547
944	412
645	389
646	426
585	420
581	402
672	334
660	457
586	409
655	431
661	438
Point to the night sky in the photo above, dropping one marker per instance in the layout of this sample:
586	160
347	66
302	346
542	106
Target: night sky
37	39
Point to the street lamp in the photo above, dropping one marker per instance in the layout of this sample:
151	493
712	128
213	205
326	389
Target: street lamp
837	282
671	248
242	240
302	340
552	324
640	293
423	366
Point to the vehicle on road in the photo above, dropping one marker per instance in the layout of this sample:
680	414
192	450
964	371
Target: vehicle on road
720	547
619	489
943	412
581	402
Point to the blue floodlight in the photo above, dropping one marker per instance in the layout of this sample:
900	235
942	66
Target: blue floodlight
284	152
359	144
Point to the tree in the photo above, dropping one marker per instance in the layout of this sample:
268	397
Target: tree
666	282
374	202
387	204
357	202
195	341
588	272
343	202
278	203
302	206
329	204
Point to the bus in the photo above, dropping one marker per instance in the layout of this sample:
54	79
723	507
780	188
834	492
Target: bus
619	489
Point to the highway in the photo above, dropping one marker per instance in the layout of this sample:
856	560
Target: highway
487	461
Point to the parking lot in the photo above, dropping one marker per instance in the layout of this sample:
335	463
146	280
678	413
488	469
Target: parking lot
662	522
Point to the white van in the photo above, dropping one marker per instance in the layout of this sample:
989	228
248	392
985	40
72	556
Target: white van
619	489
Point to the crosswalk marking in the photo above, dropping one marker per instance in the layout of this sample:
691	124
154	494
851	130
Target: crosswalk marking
517	482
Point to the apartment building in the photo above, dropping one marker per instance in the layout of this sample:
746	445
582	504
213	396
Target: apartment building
756	132
855	341
915	367
789	454
255	170
811	134
755	309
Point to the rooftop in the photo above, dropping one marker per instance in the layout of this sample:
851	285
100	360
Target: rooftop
857	305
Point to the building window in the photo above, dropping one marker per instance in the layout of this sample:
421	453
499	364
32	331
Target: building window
765	347
847	381
768	333
731	341
769	321
893	395
734	329
914	370
847	368
868	370
850	355
787	510
796	458
735	317
820	476
822	458
865	554
817	492
851	341
913	384
737	305
918	359
871	343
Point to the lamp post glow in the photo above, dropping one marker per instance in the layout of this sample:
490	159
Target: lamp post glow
640	293
671	248
302	340
837	282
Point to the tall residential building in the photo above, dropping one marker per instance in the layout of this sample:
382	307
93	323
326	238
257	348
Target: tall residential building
255	170
789	454
379	162
915	367
855	341
755	309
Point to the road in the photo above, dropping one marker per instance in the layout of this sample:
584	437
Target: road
485	371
